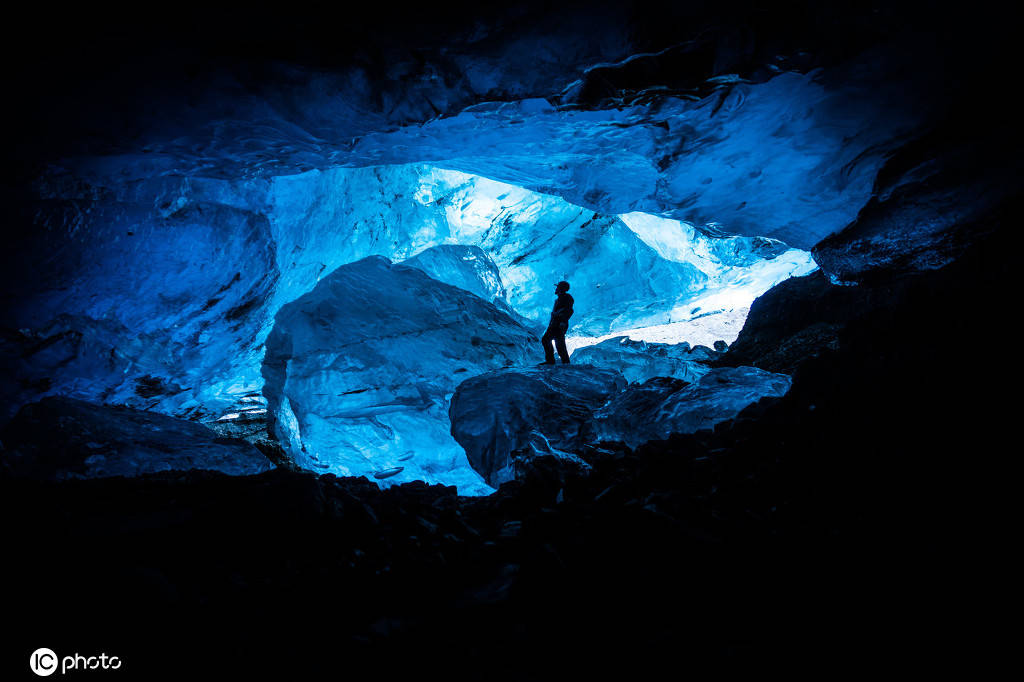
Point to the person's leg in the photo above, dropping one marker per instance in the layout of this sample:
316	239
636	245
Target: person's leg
549	351
563	352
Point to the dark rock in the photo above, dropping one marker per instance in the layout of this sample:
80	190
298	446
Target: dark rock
500	412
701	353
661	406
931	200
793	321
538	461
273	451
59	438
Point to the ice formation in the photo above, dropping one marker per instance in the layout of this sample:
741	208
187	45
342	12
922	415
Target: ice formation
465	267
359	372
639	360
671	187
166	304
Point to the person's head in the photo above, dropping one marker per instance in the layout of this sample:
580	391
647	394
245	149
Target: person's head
562	287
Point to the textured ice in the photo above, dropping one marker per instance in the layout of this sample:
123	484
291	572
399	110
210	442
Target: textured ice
360	370
639	360
469	268
153	296
537	408
659	407
155	264
738	269
792	158
162	292
763	147
465	267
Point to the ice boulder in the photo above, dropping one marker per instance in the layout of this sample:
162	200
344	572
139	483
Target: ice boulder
662	406
499	413
639	360
59	438
359	371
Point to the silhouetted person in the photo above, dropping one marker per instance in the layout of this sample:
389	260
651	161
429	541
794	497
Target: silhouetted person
558	325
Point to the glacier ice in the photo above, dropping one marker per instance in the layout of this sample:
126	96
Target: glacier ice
536	240
544	409
505	415
661	406
142	297
639	360
164	292
465	267
153	269
359	372
469	268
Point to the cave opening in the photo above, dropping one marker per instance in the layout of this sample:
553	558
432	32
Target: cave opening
355	409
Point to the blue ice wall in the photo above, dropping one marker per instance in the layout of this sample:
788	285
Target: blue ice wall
151	295
162	293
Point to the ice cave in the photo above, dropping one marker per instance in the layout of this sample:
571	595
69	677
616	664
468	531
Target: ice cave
274	294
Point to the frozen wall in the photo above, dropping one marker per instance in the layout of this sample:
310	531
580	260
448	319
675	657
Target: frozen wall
160	293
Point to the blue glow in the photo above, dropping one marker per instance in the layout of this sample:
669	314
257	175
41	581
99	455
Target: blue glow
182	295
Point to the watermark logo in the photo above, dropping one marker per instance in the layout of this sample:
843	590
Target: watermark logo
45	662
